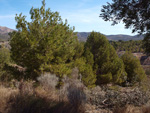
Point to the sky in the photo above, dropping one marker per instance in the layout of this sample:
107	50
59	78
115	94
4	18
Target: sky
82	14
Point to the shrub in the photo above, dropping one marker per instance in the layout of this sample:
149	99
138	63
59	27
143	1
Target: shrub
135	72
107	65
4	60
37	104
4	96
48	81
43	101
85	69
26	87
74	90
14	71
4	55
75	95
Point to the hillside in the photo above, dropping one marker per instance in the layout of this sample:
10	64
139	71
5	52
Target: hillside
83	36
5	30
4	37
4	33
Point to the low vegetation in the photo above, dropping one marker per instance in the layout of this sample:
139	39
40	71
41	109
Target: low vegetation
71	97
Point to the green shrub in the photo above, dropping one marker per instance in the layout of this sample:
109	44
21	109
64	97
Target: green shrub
4	55
135	72
107	65
88	75
4	60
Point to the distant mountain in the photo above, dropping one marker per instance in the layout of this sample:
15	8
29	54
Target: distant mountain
82	36
4	33
124	37
5	30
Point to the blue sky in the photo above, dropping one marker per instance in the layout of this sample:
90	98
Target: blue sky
83	14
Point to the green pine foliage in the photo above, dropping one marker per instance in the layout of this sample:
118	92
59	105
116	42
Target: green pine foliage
4	60
45	41
89	57
86	70
48	44
4	55
107	65
135	72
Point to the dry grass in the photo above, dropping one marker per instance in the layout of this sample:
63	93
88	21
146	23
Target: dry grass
43	101
45	98
40	102
27	99
146	109
73	90
4	97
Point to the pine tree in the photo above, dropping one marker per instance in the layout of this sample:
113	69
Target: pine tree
135	72
44	43
107	65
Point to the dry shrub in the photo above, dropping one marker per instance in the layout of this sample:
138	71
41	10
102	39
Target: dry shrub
75	95
48	81
4	96
48	84
50	95
37	103
41	100
26	87
73	90
21	103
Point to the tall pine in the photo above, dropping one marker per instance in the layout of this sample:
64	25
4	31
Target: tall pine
107	65
45	43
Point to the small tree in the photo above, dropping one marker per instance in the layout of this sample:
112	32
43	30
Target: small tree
86	70
42	43
107	65
135	72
